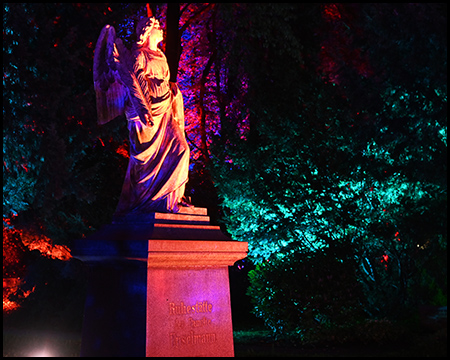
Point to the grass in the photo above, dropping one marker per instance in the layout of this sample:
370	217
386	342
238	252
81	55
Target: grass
259	343
251	343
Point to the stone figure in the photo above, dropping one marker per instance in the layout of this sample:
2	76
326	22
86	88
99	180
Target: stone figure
136	83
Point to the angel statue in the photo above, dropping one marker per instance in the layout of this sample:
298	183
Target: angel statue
136	83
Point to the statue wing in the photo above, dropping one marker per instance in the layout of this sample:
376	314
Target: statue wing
110	91
115	80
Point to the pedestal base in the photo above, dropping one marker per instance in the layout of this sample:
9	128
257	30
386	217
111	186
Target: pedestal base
159	286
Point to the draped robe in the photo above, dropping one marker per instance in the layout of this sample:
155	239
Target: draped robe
159	154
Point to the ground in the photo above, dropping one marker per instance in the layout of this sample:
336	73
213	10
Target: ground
49	324
23	338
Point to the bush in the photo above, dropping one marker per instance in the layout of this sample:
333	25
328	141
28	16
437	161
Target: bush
303	293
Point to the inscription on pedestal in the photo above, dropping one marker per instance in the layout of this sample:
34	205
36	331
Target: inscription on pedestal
192	325
182	309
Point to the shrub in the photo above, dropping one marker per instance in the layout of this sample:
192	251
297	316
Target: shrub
302	293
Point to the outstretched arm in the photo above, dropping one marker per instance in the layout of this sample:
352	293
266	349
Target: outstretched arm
136	83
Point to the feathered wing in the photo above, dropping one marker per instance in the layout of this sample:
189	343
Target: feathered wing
110	91
115	80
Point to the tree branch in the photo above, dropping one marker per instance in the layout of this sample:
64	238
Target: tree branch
194	17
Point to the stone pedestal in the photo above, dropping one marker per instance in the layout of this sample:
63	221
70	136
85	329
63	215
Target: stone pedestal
158	286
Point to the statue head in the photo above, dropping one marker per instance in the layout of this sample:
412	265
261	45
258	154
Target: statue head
148	28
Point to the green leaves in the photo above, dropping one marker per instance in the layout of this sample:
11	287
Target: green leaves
346	150
303	292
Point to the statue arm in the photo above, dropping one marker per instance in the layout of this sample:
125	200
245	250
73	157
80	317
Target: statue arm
134	78
177	105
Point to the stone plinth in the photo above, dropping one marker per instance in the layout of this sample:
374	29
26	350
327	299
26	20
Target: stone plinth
158	286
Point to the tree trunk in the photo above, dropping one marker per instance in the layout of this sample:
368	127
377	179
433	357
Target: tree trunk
173	39
204	144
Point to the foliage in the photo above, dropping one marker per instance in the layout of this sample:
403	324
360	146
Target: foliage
304	292
346	148
50	133
13	253
20	168
21	139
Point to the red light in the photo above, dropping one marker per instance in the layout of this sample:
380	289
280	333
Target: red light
15	244
385	259
122	150
331	12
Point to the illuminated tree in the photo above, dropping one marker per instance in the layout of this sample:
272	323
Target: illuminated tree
20	146
346	146
400	108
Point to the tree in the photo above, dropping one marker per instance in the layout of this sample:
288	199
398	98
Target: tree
50	125
346	146
173	39
405	143
20	163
